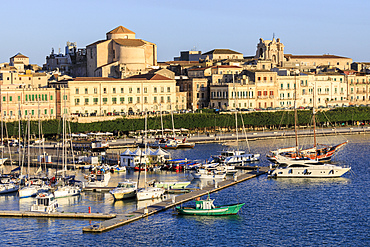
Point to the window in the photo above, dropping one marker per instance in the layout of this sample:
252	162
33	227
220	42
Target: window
33	112
105	90
77	91
155	90
86	91
138	99
45	111
114	100
130	90
168	99
122	90
95	101
105	101
264	93
129	99
10	98
155	99
114	90
95	90
145	99
86	101
162	99
138	90
51	97
25	112
19	98
168	89
162	89
122	100
51	111
77	101
259	93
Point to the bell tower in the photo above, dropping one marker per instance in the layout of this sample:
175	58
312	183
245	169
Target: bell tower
270	50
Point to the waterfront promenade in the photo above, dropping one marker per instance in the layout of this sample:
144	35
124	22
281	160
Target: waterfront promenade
251	135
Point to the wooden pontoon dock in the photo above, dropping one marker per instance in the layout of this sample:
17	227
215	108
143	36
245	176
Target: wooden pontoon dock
122	219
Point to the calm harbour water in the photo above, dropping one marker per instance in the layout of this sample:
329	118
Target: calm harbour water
283	212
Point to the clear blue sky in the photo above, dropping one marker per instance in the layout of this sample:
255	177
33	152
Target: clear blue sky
310	27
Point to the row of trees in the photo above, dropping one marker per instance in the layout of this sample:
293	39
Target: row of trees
196	121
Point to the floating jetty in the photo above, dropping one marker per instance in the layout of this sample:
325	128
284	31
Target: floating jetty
23	214
123	219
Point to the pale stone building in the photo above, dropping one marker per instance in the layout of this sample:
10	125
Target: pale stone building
120	55
96	96
26	96
197	90
19	61
271	50
221	54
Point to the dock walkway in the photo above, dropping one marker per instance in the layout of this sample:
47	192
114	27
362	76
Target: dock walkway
23	214
123	219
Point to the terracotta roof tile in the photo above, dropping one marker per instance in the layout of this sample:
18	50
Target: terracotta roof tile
221	51
120	29
149	77
325	56
130	42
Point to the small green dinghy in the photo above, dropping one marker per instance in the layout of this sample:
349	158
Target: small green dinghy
206	207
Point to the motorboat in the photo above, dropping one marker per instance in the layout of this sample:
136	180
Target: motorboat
234	157
172	185
101	179
67	190
45	202
307	169
166	143
149	193
202	173
207	208
124	190
8	188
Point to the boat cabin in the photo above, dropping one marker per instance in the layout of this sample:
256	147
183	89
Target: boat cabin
204	204
45	202
127	185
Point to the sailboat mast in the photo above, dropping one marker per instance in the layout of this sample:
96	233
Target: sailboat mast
173	124
160	108
295	112
145	134
314	121
19	137
28	147
236	116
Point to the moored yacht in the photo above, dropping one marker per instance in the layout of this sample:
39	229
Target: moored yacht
67	190
307	169
149	193
45	202
8	188
124	190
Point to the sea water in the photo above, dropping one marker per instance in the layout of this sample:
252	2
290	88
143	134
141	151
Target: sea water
278	212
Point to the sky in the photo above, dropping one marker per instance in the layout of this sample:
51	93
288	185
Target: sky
311	27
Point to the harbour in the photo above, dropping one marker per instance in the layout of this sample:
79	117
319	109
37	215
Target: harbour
265	211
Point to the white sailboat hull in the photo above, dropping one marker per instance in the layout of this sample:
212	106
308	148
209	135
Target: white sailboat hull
28	191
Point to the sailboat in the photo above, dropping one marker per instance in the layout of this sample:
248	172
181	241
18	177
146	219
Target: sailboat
30	189
65	190
236	157
148	192
324	153
300	165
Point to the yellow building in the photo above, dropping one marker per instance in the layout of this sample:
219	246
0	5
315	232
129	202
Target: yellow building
96	96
